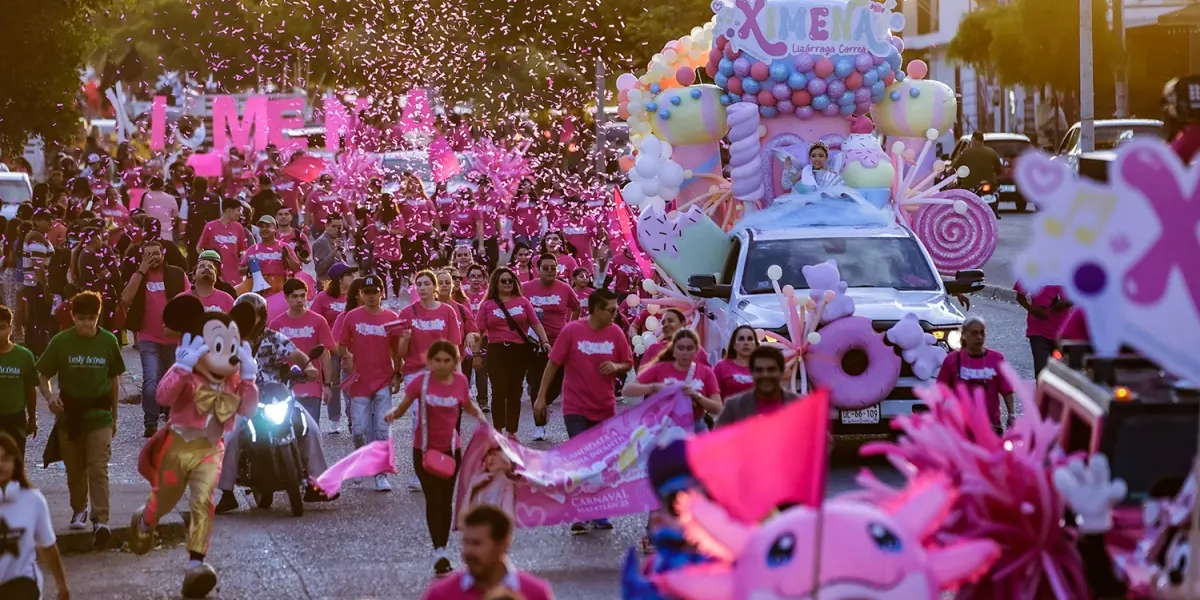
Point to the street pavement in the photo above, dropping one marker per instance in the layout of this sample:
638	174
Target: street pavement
369	544
1015	230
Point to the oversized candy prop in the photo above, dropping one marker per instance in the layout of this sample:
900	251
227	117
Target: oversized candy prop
683	243
918	348
693	121
914	106
744	147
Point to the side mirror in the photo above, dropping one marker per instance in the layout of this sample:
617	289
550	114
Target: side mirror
706	286
965	282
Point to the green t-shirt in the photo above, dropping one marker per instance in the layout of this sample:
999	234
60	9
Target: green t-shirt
84	367
18	376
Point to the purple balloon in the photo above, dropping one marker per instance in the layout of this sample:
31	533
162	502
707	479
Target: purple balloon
751	98
785	106
898	43
804	112
862	95
817	86
862	108
863	63
741	66
835	88
878	60
833	110
781	91
804	62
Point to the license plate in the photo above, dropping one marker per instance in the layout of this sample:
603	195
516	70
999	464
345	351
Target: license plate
1008	188
866	416
988	198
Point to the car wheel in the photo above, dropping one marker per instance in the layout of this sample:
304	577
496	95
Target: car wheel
1022	203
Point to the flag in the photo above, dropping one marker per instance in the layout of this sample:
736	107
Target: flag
625	222
206	165
443	163
753	467
375	458
418	112
306	168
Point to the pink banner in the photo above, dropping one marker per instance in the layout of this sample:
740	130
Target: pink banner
372	459
597	475
626	223
206	165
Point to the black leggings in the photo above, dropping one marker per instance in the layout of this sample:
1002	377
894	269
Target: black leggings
21	588
481	379
507	364
396	270
537	368
439	498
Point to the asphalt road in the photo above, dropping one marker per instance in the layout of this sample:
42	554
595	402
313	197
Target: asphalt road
375	545
1015	231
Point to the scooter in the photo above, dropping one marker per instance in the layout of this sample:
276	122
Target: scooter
988	194
270	460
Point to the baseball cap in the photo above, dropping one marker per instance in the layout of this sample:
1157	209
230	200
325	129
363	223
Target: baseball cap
266	219
213	256
338	269
372	282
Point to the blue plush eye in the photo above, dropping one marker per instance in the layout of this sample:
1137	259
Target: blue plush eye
781	551
884	538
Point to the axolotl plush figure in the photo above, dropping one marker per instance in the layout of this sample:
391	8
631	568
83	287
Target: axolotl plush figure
864	551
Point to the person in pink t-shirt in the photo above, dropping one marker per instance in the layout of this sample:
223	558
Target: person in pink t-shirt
733	372
438	394
226	237
978	367
276	260
552	243
580	232
307	329
512	332
581	284
292	236
1074	328
466	222
486	538
420	220
527	222
389	254
1047	310
365	346
321	202
424	322
522	263
556	305
672	320
214	300
624	274
678	364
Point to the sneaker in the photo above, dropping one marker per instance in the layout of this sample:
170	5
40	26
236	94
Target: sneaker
381	484
485	408
539	434
228	503
101	534
602	525
414	484
579	528
198	580
79	521
335	426
442	566
151	429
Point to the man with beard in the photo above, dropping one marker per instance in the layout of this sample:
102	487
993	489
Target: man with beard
486	538
330	248
768	395
214	258
205	287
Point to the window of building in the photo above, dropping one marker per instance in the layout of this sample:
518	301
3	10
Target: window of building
927	16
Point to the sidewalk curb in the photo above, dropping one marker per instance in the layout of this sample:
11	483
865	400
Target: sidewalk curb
998	293
171	530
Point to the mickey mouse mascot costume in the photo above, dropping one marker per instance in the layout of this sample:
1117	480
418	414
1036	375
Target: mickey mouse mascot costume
211	381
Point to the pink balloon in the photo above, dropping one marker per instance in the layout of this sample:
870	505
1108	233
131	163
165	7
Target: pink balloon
626	81
890	79
685	76
714	55
730	53
918	69
766	98
854	81
734	85
711	69
801	98
823	68
760	71
671	45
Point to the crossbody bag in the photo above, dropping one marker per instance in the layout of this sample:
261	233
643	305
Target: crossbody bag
435	462
512	324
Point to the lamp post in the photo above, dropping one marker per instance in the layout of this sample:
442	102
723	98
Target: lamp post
1087	99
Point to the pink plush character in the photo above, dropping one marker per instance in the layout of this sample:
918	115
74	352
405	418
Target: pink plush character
865	551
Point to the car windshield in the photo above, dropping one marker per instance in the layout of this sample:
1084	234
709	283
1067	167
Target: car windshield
1009	148
14	192
417	164
1108	138
864	262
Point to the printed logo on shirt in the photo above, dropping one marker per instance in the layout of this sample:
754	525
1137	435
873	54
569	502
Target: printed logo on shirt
444	401
429	324
575	230
87	361
695	384
156	286
268	255
369	329
338	306
742	378
545	300
9	370
515	311
298	332
226	239
631	270
213	308
596	348
967	374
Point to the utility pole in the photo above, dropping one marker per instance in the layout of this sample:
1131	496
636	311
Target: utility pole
601	156
1122	83
1087	95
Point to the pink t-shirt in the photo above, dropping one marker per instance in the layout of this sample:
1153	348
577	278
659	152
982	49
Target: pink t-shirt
657	347
463	223
475	299
494	326
329	307
526	219
466	318
292	237
624	272
217	301
1049	326
451	588
732	378
230	242
978	371
419	214
566	266
153	329
580	350
704	380
387	246
117	214
580	234
582	295
442	405
444	206
367	338
1075	327
428	326
306	332
288	190
323	203
490	217
270	257
553	304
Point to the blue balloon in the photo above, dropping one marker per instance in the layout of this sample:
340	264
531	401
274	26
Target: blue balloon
846	98
767	111
895	95
664	114
894	60
676	100
901	76
797	81
914	92
848	109
651	106
722	80
876	98
750	86
696	94
725	67
883	70
655	88
779	71
878	87
726	99
869	78
843	68
820	102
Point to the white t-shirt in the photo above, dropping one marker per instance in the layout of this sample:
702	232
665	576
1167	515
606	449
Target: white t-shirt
24	527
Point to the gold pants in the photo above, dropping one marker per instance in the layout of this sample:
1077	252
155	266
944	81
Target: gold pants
196	466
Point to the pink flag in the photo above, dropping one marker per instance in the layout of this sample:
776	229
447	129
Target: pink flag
372	459
206	165
626	223
442	161
306	168
752	467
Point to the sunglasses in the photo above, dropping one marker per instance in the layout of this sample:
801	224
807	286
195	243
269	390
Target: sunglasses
506	281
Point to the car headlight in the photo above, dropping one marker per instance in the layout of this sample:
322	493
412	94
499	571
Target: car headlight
954	339
276	413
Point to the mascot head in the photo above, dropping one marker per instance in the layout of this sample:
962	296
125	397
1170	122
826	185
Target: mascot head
221	332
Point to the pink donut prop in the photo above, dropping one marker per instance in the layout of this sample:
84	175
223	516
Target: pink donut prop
957	242
853	363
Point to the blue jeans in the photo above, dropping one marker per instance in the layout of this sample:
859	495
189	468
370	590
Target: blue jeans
366	413
156	359
577	424
335	395
313	406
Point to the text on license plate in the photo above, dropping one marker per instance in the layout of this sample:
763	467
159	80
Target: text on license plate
1008	188
861	417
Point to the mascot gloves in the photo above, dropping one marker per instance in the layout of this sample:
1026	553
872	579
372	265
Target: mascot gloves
190	351
249	365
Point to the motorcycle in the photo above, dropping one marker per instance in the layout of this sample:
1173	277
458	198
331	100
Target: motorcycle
270	460
990	196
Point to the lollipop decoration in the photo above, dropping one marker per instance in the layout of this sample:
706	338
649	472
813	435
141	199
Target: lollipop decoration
745	146
802	322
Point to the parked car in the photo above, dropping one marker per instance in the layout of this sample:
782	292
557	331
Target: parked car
15	190
1009	146
1109	134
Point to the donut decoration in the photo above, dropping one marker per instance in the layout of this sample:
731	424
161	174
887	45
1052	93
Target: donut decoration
853	363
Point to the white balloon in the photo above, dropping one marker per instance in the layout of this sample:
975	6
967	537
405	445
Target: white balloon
898	148
788	290
647	166
665	150
652	323
963	171
931	134
670	174
632	192
960	207
654	205
650	288
814	338
648	338
653	309
633	300
636	108
651	146
649	187
642	128
775	272
669	55
638	349
635	95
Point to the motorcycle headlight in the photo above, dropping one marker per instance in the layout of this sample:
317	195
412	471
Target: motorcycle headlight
276	413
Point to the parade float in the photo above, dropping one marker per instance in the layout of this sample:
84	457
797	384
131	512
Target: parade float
778	82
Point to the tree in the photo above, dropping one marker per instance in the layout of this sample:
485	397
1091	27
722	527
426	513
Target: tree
45	44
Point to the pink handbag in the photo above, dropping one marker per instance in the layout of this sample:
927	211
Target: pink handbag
435	462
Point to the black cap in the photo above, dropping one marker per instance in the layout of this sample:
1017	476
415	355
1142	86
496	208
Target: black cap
372	282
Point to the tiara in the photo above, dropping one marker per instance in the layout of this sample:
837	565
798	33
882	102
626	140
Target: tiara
818	144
